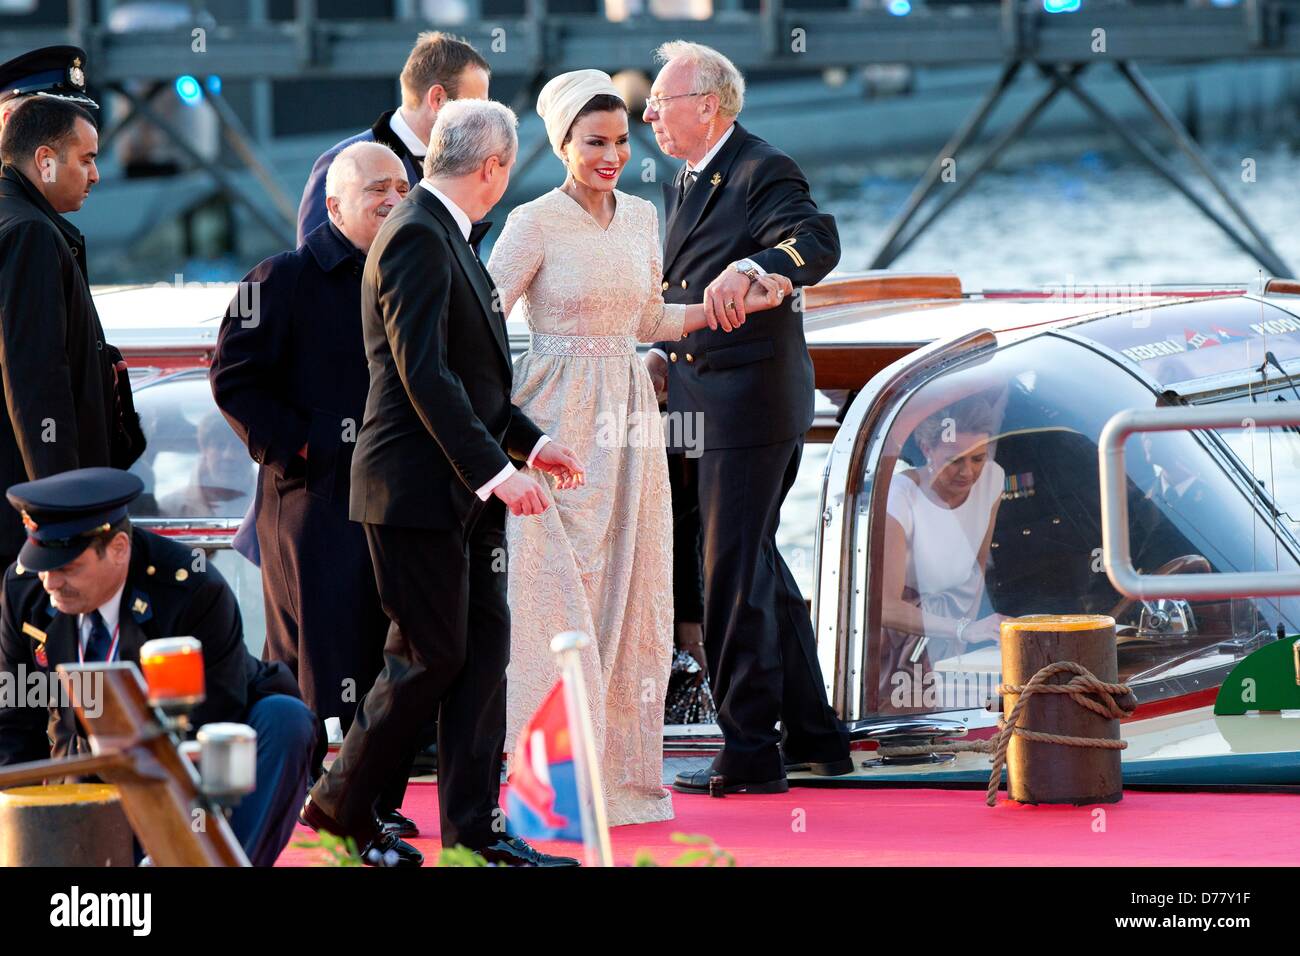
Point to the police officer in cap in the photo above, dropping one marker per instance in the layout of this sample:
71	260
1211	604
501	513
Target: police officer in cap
67	397
90	587
56	71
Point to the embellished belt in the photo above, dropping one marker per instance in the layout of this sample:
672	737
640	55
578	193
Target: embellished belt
583	346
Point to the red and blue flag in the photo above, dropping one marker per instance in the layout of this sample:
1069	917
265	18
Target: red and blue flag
542	802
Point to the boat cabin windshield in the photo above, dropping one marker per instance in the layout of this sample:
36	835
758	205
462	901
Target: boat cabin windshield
985	504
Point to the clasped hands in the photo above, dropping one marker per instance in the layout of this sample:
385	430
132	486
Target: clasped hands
731	296
524	495
728	300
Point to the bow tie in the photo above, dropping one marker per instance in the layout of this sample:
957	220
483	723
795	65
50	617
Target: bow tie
688	179
477	232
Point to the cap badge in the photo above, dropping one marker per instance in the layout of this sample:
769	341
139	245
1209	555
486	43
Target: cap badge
75	75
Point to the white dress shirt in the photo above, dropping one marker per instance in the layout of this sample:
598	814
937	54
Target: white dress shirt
713	151
463	221
403	131
108	611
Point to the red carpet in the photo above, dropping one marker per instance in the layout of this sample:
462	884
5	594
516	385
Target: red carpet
848	827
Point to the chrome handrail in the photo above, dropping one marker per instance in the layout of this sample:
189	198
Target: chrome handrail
1116	557
210	534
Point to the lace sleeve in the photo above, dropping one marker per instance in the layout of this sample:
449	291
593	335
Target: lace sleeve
659	321
516	257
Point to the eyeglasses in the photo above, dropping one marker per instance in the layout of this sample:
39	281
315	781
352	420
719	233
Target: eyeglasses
656	103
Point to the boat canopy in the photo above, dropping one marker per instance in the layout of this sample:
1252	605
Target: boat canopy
966	490
1197	344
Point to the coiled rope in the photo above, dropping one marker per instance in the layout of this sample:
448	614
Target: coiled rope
1085	689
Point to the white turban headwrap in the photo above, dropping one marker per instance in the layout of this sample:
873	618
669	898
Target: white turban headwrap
565	95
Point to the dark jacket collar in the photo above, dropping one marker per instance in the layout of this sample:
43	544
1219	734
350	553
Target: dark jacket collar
683	219
383	133
470	263
14	183
435	205
330	247
721	160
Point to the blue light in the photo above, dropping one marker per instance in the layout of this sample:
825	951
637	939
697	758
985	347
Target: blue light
214	85
1062	6
900	8
188	89
1223	3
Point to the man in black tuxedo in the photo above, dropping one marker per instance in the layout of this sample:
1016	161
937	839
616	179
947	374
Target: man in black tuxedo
740	208
431	477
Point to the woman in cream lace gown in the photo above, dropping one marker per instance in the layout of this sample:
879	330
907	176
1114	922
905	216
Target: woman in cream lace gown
585	259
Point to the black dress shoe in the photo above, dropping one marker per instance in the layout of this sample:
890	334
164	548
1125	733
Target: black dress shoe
313	817
390	850
513	851
698	781
383	849
833	768
396	823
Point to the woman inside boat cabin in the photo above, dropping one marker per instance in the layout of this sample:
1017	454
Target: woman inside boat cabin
938	532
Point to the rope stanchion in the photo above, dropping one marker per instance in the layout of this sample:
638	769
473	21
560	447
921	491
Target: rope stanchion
1085	689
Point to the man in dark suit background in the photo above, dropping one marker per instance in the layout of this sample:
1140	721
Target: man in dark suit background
66	392
432	475
440	68
291	379
737	209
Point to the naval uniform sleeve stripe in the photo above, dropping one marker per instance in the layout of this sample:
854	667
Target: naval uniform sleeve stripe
788	248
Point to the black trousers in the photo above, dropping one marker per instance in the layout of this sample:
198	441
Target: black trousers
688	588
448	646
757	633
323	615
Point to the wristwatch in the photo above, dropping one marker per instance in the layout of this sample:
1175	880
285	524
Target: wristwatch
747	267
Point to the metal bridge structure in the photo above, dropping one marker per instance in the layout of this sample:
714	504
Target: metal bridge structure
534	43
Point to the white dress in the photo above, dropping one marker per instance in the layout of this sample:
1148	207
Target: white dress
600	560
944	544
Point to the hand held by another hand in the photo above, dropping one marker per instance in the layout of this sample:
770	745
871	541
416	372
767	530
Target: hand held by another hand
725	299
562	464
768	292
522	495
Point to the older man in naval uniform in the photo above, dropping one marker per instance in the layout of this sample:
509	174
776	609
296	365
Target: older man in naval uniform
738	208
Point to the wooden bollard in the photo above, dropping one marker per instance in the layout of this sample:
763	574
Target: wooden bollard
1053	773
71	824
